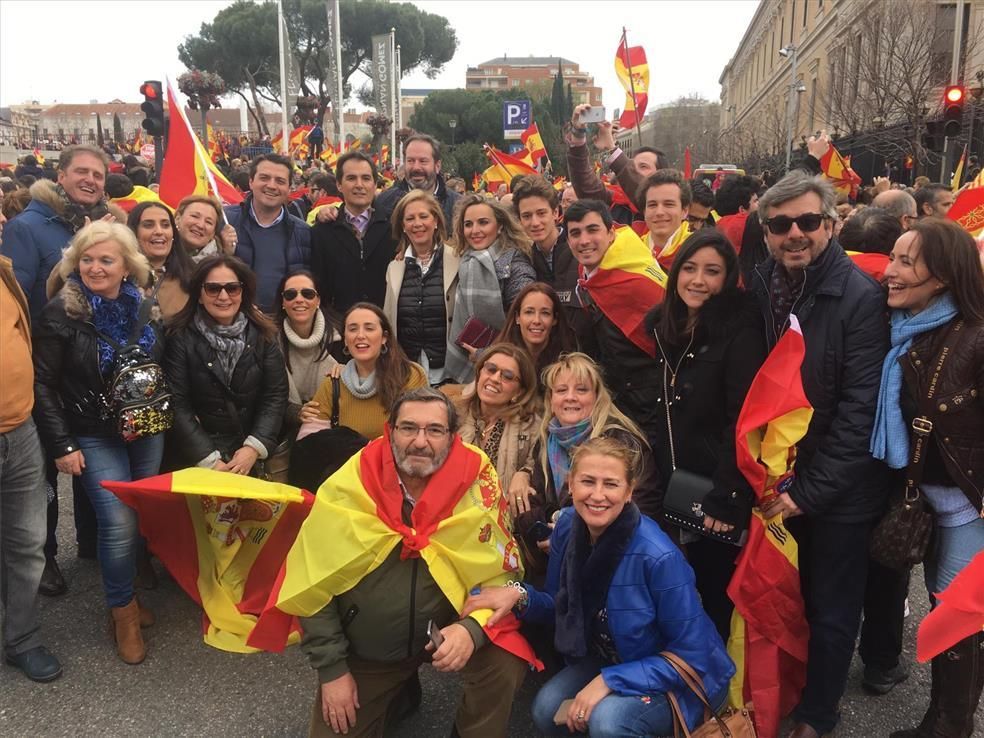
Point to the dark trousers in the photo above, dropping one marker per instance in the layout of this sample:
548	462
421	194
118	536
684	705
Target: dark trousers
833	560
713	563
85	516
884	616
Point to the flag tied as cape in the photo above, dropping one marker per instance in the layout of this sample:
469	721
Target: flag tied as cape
627	283
188	168
838	170
223	537
769	631
460	529
633	72
959	612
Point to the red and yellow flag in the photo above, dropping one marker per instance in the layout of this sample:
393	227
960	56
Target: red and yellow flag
504	167
329	155
633	72
627	283
138	195
40	157
460	528
959	612
223	537
187	168
958	172
837	169
968	208
872	264
533	142
769	631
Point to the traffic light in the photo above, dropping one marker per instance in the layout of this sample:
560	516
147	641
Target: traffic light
953	104
153	107
932	138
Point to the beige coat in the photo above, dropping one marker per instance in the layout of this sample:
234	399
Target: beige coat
394	281
518	438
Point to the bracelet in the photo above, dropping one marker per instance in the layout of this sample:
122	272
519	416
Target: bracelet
524	596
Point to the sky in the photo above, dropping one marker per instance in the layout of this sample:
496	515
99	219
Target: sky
687	42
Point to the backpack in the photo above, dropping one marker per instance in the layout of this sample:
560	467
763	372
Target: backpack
137	396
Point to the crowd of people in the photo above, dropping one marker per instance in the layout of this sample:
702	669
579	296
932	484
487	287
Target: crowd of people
494	369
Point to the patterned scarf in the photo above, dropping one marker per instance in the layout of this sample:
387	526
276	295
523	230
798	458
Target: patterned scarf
229	341
786	290
478	296
74	214
561	440
115	318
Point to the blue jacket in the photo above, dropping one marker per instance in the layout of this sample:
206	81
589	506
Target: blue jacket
652	606
33	241
292	233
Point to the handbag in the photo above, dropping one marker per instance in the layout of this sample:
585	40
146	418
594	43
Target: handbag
730	723
683	503
275	467
477	334
901	538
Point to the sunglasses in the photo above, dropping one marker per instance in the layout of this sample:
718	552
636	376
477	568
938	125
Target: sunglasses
212	289
493	369
780	225
306	292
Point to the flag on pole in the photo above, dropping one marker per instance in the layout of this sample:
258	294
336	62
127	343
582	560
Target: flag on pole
688	169
328	155
633	72
958	172
223	537
504	167
837	169
769	631
40	157
533	142
187	168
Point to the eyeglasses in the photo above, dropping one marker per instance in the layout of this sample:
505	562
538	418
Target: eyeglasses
212	289
306	292
779	225
410	430
493	369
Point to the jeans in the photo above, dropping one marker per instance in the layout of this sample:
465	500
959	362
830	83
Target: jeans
23	500
618	716
952	551
884	616
117	541
833	559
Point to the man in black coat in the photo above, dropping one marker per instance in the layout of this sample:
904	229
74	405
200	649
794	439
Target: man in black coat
839	490
350	253
422	161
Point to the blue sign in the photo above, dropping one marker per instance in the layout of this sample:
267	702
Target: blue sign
516	117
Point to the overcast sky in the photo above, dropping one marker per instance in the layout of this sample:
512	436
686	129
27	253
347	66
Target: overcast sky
79	50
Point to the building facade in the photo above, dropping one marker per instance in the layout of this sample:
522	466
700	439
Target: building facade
533	73
690	122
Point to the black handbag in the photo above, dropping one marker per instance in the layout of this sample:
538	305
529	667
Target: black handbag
901	538
683	503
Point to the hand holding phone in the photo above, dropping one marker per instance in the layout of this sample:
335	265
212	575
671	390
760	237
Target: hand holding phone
435	634
594	114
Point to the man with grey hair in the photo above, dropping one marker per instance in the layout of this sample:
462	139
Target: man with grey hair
399	536
898	203
839	491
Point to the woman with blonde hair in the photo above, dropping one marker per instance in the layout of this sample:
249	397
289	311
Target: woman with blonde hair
202	228
75	356
495	267
421	282
499	411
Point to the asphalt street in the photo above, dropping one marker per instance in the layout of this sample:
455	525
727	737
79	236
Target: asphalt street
186	688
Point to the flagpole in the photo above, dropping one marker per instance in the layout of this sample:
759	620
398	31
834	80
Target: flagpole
392	90
285	135
635	102
399	107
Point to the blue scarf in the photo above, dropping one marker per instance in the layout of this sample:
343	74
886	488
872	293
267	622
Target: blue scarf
890	436
561	440
115	318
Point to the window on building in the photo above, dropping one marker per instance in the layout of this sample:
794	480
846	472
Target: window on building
782	28
806	5
812	113
792	21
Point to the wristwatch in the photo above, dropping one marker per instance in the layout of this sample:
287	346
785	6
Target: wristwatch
524	596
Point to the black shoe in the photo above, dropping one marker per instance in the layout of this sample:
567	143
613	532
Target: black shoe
879	681
38	664
52	582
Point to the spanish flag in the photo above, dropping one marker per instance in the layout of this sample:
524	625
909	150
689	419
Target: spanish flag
328	201
533	143
138	195
328	155
504	166
188	169
959	612
872	264
627	283
223	537
769	631
40	157
633	72
460	528
968	208
958	172
837	169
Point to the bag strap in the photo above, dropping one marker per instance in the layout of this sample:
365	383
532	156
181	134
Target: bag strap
143	318
922	426
696	685
336	394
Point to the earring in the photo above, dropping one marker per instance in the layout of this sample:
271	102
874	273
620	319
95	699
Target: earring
385	349
345	350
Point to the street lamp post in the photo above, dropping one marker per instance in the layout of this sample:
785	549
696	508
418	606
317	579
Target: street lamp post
790	53
452	124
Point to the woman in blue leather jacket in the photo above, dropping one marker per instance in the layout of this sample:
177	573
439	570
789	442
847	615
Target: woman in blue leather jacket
619	592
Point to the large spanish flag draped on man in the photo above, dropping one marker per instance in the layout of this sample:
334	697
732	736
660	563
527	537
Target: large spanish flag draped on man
769	631
188	168
460	529
223	537
633	72
626	284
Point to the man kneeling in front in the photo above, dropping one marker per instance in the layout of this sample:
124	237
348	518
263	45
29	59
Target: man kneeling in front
395	541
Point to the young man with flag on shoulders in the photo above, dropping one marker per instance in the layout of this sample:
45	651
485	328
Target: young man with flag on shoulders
381	569
664	199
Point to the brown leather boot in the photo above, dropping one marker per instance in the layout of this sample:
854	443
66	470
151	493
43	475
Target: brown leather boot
126	630
926	727
961	681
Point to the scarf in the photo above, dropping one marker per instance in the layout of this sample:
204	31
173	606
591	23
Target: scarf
361	389
74	214
585	575
479	296
115	318
229	341
561	440
317	333
890	436
208	249
785	292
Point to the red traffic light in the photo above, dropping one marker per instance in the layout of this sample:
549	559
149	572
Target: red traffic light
954	94
148	90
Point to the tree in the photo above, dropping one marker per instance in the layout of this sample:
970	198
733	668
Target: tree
118	136
568	103
557	102
99	131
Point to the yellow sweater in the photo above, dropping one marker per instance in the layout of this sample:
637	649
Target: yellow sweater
365	417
